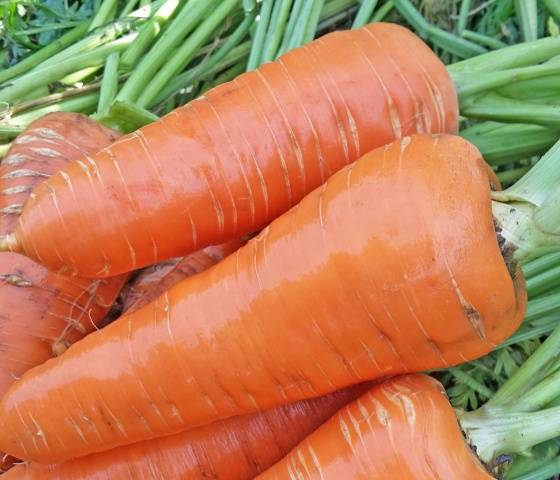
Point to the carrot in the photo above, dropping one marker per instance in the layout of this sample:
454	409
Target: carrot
44	312
155	280
386	269
229	162
238	448
403	428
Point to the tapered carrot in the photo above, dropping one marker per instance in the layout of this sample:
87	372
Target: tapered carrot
401	429
158	278
392	266
42	313
238	448
229	162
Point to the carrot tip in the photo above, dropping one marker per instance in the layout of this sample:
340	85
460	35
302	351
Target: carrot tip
9	243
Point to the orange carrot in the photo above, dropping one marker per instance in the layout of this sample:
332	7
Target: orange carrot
154	280
386	269
401	429
238	448
43	312
229	162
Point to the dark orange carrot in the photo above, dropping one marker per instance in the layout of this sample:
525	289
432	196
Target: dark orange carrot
403	429
154	280
229	162
42	313
238	448
386	269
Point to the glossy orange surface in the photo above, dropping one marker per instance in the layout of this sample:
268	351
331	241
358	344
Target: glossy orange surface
402	429
238	448
42	313
156	279
229	162
392	266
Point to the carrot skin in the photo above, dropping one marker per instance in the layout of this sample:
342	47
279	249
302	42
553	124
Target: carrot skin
44	312
238	448
337	291
155	280
404	428
226	164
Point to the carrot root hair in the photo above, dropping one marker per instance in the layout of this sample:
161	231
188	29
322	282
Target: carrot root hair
10	243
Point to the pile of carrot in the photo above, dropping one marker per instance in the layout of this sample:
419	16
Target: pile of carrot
315	236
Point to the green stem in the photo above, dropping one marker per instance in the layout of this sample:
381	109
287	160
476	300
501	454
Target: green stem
495	107
544	471
483	39
540	395
463	16
126	117
290	28
553	6
542	306
383	11
260	35
496	145
527	18
237	53
302	23
226	76
541	264
128	8
507	177
312	22
471	83
82	103
528	374
186	52
540	87
413	17
493	432
44	53
364	13
109	83
335	7
276	29
544	327
522	54
9	132
104	14
51	73
148	32
185	21
543	282
93	41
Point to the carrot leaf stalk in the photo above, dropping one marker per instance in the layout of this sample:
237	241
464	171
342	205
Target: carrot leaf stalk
518	416
528	213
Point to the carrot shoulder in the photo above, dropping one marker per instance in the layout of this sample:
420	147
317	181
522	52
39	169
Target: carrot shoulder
404	429
384	270
228	163
238	448
42	312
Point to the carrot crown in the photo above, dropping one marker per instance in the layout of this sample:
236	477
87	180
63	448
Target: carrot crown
528	213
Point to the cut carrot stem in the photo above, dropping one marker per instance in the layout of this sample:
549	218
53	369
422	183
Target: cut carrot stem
528	213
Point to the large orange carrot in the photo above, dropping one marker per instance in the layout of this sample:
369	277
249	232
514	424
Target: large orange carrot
154	280
238	448
392	266
229	162
42	312
403	429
